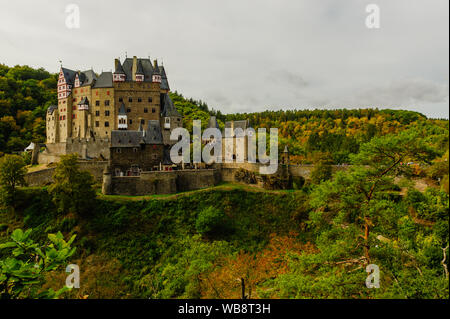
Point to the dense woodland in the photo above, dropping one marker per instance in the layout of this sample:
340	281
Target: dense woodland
311	240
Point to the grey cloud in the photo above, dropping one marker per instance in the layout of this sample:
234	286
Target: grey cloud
244	56
404	93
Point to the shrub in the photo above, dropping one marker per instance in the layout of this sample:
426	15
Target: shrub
298	182
321	173
243	175
210	220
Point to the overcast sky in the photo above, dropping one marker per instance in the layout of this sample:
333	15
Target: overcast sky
243	56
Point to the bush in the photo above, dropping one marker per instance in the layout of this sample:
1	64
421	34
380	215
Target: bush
321	173
298	182
245	176
211	220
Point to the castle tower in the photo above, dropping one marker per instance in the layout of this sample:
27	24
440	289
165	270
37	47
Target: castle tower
119	74
122	118
285	156
139	73
156	77
83	110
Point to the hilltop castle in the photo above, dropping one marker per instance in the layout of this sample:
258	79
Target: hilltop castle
96	114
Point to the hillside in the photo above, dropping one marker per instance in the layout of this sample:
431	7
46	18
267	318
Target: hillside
155	248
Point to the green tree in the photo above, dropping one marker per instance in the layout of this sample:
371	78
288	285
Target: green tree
23	272
355	196
12	174
72	189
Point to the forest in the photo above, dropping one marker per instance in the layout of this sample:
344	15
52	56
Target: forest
313	240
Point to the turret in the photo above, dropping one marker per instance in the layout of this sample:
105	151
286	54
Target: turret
156	77
139	73
119	74
122	118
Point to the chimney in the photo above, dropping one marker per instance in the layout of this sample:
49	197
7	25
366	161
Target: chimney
116	64
134	68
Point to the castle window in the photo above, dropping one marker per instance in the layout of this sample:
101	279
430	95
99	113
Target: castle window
131	121
128	110
97	123
97	113
145	110
130	99
118	150
150	100
135	149
106	124
120	99
153	110
96	93
106	102
107	92
142	121
106	113
97	103
139	99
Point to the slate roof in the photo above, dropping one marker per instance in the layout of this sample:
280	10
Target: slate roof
89	77
164	81
122	110
52	108
69	75
168	108
119	68
139	70
166	157
105	80
84	101
152	135
147	68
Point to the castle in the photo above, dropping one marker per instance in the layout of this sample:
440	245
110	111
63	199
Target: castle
127	111
120	123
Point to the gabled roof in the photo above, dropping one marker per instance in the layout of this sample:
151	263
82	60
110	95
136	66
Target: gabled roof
84	101
69	75
164	81
152	135
147	68
119	68
89	77
105	80
169	110
139	70
122	110
51	108
166	157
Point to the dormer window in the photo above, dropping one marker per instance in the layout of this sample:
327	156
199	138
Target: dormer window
156	78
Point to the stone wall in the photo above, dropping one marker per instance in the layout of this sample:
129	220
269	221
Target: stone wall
164	182
45	176
227	170
85	148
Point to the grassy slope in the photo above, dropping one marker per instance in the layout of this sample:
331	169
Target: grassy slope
125	238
